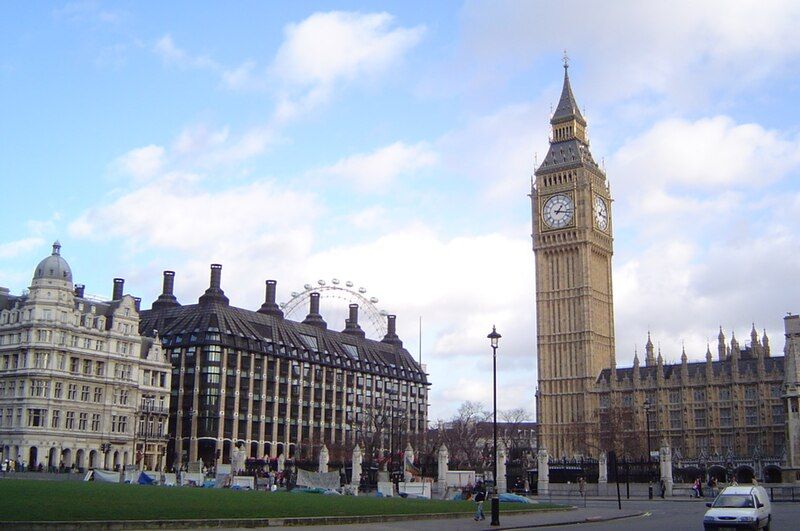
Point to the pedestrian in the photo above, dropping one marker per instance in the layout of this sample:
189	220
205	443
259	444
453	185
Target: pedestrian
480	496
696	488
663	487
582	486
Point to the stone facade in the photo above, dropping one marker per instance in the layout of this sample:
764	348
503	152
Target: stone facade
74	375
728	406
571	206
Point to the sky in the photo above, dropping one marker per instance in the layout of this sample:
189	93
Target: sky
392	145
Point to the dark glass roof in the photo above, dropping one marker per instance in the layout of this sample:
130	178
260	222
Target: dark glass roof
200	324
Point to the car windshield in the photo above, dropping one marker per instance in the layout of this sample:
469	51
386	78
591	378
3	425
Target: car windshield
734	500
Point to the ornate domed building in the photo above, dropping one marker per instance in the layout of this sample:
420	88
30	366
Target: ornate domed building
79	387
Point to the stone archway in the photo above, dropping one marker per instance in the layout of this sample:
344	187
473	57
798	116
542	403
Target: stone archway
718	472
66	457
115	461
52	458
744	474
93	459
80	460
33	458
772	474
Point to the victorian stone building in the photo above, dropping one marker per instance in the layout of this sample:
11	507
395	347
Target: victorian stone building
730	404
78	385
281	387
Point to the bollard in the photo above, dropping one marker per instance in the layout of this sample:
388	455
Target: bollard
650	491
495	510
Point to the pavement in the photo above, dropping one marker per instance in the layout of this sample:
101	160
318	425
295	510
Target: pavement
507	521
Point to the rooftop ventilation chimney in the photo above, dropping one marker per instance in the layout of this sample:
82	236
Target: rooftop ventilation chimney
314	318
138	303
391	333
270	307
79	289
119	286
214	293
351	325
166	299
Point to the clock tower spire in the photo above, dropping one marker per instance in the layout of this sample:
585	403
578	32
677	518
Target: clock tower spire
572	244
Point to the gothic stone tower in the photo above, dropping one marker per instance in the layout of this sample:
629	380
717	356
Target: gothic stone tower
791	397
572	243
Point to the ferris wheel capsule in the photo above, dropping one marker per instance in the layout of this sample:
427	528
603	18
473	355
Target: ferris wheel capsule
335	281
373	300
362	290
295	294
348	284
305	286
321	282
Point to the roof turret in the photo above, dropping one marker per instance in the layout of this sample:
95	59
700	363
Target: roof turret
567	108
54	266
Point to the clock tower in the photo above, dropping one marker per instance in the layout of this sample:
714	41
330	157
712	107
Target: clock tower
572	244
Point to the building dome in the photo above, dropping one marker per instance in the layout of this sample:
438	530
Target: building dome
53	267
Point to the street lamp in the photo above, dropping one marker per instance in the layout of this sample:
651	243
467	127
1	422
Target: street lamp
647	407
494	338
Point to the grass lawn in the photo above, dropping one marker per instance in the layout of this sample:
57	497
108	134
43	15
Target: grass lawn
29	500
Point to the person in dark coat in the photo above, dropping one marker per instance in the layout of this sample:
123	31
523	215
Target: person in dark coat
480	496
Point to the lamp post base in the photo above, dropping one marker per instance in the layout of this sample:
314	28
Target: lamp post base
495	510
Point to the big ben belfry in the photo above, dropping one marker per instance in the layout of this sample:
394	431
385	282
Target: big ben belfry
572	244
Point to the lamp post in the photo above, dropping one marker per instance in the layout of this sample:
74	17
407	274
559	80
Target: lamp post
647	407
494	338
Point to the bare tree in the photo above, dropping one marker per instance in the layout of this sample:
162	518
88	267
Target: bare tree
462	435
514	436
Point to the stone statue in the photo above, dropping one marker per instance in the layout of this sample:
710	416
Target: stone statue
543	484
324	457
502	482
408	463
602	468
443	459
355	479
238	456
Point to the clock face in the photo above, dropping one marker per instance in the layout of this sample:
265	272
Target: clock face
558	211
600	213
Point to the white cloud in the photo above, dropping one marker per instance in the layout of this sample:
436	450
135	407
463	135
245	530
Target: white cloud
497	150
370	217
16	248
708	153
171	54
328	47
141	163
678	50
378	170
334	47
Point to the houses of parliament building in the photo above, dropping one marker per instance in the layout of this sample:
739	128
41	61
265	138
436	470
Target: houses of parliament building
733	403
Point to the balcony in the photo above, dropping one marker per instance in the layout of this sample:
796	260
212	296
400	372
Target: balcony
151	434
148	408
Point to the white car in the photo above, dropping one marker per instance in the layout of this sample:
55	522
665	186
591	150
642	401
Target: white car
739	507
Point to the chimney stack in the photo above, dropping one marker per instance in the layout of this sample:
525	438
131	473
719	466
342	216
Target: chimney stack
314	318
391	332
351	325
167	298
214	292
270	307
119	285
138	302
79	289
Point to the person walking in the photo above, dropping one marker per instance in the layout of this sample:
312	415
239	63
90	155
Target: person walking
480	496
